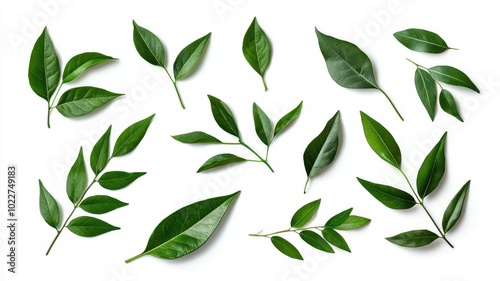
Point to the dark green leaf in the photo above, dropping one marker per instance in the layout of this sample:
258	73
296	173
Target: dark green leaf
187	229
381	141
391	197
83	100
286	248
89	226
432	170
334	238
448	104
421	40
220	160
44	71
257	49
287	119
338	219
77	179
149	46
48	207
314	239
353	222
81	62
263	126
426	90
196	137
452	76
101	204
223	116
117	180
130	138
305	214
414	238
454	209
100	153
189	57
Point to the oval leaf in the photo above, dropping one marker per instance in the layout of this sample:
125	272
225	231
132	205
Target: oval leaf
334	238
187	229
338	219
49	209
263	126
305	214
100	153
83	100
101	204
189	57
196	137
353	222
287	119
89	226
77	179
130	138
286	248
391	197
449	105
117	180
414	238
452	76
426	90
257	49
454	209
421	40
149	46
81	62
314	239
220	160
223	116
432	170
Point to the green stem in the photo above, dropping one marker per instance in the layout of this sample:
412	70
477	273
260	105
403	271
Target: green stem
267	152
264	82
176	89
390	101
48	116
256	154
54	97
135	257
305	186
286	230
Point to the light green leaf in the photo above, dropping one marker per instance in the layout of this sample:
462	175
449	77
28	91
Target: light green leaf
130	138
49	209
189	57
303	215
81	62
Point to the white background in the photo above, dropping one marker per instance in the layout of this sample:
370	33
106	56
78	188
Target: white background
267	202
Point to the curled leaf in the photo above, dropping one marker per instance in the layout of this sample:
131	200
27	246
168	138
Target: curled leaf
220	160
81	62
287	119
353	222
223	116
189	57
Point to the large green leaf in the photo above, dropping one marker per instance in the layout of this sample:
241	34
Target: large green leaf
334	238
100	153
287	119
196	137
81	62
189	57
257	49
353	222
223	116
77	179
130	138
89	226
432	170
220	160
315	240
115	180
426	90
263	125
414	238
453	76
83	100
101	204
454	209
448	104
391	197
338	219
286	248
49	209
421	40
148	45
303	215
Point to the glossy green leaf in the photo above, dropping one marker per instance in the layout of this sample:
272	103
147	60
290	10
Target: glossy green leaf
381	141
100	153
44	71
305	214
414	238
263	125
220	160
334	238
257	49
115	180
89	226
148	45
449	105
196	137
426	90
189	57
454	209
77	179
391	197
432	170
353	222
49	209
223	116
338	219
452	76
287	119
286	248
315	240
101	204
83	100
81	62
130	138
187	229
421	40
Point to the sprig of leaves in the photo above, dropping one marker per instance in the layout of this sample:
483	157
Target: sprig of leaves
319	237
77	185
225	119
428	178
257	49
151	49
44	76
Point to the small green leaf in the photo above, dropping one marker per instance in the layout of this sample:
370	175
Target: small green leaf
117	180
100	153
130	138
432	170
448	104
196	137
414	238
77	179
421	40
220	160
315	240
454	209
353	222
287	119
286	248
305	214
83	100
223	116
452	76
189	57
89	226
49	209
263	126
334	238
149	46
257	49
391	197
426	90
101	204
81	62
338	219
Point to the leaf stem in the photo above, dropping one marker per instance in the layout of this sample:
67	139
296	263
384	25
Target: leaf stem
55	96
286	230
264	82
176	89
267	152
256	154
48	116
135	257
305	186
390	101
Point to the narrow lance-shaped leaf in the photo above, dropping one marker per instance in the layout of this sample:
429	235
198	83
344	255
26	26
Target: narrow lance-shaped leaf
81	62
100	153
286	248
305	214
220	160
187	229
89	226
334	238
196	137
49	209
130	138
189	57
315	240
421	40
432	170
115	180
263	126
449	105
391	197
83	100
452	76
287	119
426	90
257	49
100	204
223	116
454	210
77	179
414	238
353	222
148	45
338	219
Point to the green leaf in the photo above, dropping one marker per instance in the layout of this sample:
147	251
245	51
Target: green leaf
257	49
452	76
454	209
83	100
100	153
220	160
44	71
338	219
414	238
77	179
286	248
305	214
263	126
353	222
223	116
81	62
187	229
117	180
189	57
89	226
381	141
334	238
432	170
391	197
421	40
101	204
196	137
315	240
130	138
287	119
448	104
426	90
149	46
49	209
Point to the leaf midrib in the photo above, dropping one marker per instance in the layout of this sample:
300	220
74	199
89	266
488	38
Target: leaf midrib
147	46
420	40
383	142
